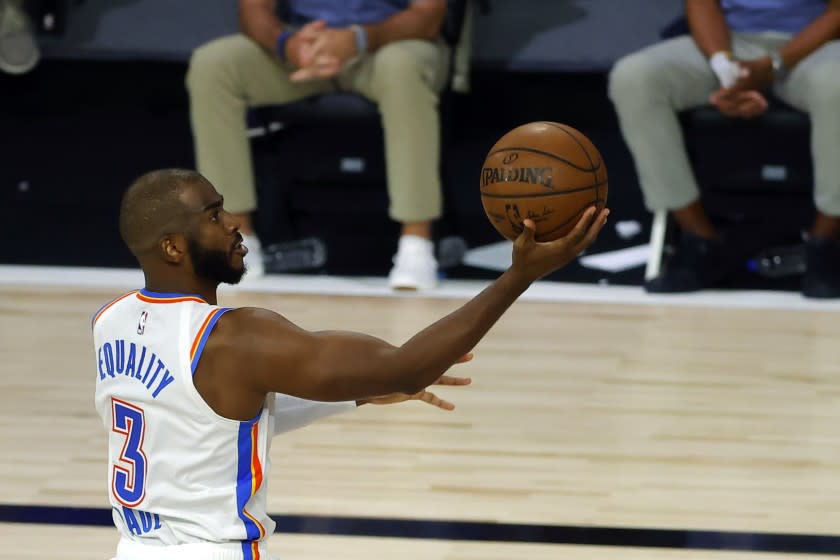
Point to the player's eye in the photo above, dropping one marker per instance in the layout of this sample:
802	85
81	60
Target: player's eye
214	216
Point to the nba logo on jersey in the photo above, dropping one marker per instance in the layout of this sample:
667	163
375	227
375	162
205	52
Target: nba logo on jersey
141	324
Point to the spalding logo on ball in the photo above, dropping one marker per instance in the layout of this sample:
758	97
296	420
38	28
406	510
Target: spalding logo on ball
545	171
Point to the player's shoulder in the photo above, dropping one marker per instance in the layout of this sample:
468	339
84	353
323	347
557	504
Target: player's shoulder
248	319
243	326
105	308
237	334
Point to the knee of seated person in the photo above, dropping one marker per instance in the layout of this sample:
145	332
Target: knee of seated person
824	89
209	61
630	76
396	64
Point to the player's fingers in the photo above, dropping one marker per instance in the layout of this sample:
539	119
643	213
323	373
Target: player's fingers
593	231
576	236
465	358
453	380
446	405
432	399
528	230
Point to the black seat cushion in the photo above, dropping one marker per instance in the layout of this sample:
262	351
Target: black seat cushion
332	108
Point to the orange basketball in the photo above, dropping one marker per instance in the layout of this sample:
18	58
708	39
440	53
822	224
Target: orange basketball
545	171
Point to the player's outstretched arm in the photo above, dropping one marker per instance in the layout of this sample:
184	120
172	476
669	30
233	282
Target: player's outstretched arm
292	413
340	366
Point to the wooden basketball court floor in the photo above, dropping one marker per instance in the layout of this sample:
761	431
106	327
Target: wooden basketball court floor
601	423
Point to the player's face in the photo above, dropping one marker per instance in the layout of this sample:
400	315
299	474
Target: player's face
214	241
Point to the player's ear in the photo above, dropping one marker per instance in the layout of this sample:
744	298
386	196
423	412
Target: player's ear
173	247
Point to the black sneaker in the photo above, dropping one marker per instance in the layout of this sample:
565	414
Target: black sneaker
697	265
822	275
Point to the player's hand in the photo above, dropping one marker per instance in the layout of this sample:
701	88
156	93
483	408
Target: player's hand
425	395
739	104
534	260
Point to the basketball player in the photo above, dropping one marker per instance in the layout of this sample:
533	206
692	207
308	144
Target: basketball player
190	392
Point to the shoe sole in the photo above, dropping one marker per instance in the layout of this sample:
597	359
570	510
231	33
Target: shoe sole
410	286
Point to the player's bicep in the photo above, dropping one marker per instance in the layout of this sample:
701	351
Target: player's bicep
324	366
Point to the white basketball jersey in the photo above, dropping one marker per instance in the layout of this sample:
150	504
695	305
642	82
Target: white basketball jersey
178	472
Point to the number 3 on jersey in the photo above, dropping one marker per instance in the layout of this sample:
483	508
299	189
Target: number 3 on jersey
129	476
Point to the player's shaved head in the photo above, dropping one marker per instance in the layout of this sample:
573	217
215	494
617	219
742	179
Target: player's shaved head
152	208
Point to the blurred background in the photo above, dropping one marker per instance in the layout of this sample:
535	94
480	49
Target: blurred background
107	102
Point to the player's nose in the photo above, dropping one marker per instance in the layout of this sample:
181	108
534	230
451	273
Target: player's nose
232	223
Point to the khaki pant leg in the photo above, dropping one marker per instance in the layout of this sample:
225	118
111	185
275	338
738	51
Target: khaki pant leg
814	86
405	79
225	77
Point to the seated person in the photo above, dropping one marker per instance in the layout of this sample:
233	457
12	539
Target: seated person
388	51
737	52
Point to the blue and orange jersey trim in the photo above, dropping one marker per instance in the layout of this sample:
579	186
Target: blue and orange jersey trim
158	297
202	335
249	478
107	306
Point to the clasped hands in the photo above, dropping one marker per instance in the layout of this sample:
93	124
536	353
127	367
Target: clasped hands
742	82
319	52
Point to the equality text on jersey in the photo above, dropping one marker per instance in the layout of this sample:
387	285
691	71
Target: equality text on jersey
121	359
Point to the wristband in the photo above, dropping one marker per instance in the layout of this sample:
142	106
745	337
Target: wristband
280	46
725	68
361	38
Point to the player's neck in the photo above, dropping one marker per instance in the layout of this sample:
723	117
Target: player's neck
206	290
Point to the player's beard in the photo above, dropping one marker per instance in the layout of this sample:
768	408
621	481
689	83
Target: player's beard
213	265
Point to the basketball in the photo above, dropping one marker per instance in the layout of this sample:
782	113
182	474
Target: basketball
546	171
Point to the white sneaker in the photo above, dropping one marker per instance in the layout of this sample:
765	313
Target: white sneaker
19	51
254	259
415	267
